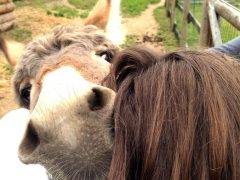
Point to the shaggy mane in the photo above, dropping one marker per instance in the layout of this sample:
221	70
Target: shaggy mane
176	116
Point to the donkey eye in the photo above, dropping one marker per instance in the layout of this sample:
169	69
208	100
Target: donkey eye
25	96
106	55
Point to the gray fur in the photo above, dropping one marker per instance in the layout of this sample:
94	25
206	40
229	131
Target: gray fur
91	129
67	39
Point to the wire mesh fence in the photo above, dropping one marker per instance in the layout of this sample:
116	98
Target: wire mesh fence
228	31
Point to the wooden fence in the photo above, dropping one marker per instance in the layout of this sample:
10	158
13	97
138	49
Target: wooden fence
209	28
7	17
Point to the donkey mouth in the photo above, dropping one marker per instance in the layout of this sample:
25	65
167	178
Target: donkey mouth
112	126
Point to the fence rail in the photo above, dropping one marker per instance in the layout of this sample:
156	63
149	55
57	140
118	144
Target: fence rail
209	29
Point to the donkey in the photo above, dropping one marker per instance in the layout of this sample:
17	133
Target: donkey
58	78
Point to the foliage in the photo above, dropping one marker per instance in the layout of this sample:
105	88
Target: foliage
168	38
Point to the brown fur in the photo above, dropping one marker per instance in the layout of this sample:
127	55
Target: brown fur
176	116
73	112
100	14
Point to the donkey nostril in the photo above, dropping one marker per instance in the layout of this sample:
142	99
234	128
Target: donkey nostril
96	99
29	143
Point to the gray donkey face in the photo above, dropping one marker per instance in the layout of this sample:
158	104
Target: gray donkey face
70	126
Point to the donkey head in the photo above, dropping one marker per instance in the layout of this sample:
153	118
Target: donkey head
59	79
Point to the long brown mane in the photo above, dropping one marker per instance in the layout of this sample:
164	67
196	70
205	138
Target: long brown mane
177	116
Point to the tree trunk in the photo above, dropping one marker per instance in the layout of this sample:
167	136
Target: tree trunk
7	17
7	25
5	8
4	1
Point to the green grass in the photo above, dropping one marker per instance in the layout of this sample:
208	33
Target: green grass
168	38
63	11
83	4
154	1
130	41
129	8
197	11
228	32
84	14
32	3
19	34
192	34
133	7
8	69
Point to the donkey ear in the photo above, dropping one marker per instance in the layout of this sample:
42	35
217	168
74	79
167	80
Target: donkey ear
100	14
130	62
12	50
106	15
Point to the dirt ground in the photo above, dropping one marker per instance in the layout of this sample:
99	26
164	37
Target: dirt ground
38	22
145	28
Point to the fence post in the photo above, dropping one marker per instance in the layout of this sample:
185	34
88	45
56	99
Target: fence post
205	32
168	14
214	24
228	12
173	18
183	38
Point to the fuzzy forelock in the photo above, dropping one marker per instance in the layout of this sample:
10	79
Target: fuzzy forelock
68	39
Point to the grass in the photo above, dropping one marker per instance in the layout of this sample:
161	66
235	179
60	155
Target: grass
84	14
53	7
83	4
58	10
8	69
130	40
228	32
130	8
19	34
135	7
63	11
34	4
154	1
168	38
193	35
